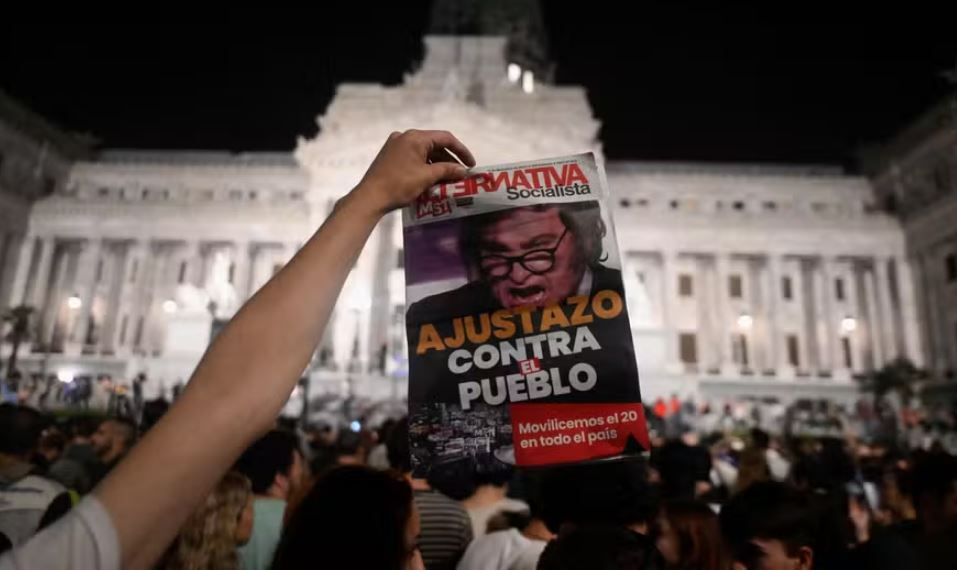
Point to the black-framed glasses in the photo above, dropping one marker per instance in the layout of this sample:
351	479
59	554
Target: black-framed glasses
537	261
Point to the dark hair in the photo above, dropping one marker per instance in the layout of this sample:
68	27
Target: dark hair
270	455
397	447
760	438
127	429
768	510
614	492
583	219
52	439
600	547
932	479
20	429
353	517
699	535
83	426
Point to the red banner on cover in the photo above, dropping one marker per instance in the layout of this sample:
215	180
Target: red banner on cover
563	433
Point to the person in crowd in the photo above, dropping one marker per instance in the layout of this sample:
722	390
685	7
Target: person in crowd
685	467
348	448
689	537
111	441
616	493
519	546
600	547
446	529
78	467
490	498
934	490
778	466
379	454
49	448
353	517
209	537
243	380
275	468
28	501
770	525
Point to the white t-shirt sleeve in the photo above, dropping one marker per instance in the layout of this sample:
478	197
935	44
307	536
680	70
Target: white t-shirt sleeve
84	539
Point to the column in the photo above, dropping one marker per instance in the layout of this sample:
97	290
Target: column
908	300
669	292
9	245
22	271
707	351
874	324
722	262
52	297
37	297
142	300
819	315
886	307
118	254
928	309
85	286
241	270
773	307
135	252
831	320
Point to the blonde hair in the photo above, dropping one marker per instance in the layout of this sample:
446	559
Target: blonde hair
208	538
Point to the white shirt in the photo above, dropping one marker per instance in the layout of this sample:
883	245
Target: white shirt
502	550
84	539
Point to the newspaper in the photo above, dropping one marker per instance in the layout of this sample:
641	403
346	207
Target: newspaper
520	349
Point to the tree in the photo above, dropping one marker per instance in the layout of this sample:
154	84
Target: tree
899	375
19	331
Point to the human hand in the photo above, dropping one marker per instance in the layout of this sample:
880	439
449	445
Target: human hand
408	164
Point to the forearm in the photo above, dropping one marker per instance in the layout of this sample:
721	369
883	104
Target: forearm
236	391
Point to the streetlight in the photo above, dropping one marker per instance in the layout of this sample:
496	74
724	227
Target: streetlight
514	72
848	325
74	302
170	306
745	321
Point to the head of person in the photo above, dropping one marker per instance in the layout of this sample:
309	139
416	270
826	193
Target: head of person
600	547
933	486
51	445
534	255
353	517
689	536
770	526
113	438
82	428
209	537
20	430
273	464
616	493
397	447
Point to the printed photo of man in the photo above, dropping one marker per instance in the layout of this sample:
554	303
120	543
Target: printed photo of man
528	256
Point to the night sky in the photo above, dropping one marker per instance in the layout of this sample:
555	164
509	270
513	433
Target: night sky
808	84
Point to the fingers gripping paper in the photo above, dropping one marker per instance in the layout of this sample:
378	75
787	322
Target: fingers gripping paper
520	349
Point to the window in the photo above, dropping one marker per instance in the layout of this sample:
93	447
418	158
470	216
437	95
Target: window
134	270
685	285
138	337
794	358
770	206
674	204
738	205
624	202
182	273
950	265
786	288
103	192
688	348
123	327
740	349
839	289
846	349
734	286
232	273
641	276
99	271
400	258
276	268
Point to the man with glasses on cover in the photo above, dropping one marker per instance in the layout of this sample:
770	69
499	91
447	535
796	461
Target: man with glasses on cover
528	256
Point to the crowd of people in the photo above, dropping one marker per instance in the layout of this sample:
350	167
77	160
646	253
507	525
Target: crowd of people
327	496
216	482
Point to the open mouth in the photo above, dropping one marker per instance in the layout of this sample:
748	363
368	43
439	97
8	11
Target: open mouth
531	295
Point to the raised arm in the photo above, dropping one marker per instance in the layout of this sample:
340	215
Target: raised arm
249	371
